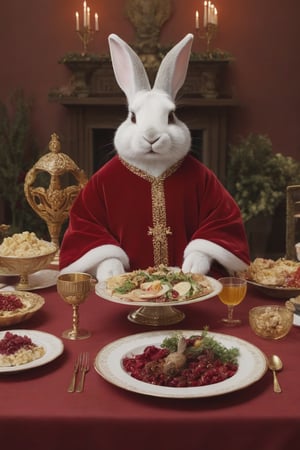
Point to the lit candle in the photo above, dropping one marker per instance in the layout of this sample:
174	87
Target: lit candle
84	14
208	12
211	13
96	22
205	15
88	17
216	16
197	20
77	21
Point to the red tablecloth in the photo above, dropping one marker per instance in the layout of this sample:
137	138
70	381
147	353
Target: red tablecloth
37	412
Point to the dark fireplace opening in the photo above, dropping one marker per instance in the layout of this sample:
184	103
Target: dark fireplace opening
103	145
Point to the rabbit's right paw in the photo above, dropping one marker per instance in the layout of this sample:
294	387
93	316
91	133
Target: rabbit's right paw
197	262
109	268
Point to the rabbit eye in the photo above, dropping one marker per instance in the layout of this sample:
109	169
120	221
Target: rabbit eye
133	117
171	118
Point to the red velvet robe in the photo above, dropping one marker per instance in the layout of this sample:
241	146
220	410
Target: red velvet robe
115	208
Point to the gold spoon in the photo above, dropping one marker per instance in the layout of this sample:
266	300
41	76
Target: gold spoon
275	364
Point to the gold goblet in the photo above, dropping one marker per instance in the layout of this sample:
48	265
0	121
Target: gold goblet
233	293
74	289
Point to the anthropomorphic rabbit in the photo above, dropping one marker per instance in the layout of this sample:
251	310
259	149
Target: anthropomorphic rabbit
153	203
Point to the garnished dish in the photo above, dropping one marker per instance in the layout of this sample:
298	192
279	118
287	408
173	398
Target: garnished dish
25	245
17	306
278	278
16	350
26	349
23	254
168	363
158	284
197	360
157	291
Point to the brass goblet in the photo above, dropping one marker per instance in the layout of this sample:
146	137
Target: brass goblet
74	289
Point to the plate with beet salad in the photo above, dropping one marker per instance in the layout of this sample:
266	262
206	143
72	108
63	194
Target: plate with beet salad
26	349
181	363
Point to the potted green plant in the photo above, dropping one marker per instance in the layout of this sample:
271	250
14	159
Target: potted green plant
18	151
257	178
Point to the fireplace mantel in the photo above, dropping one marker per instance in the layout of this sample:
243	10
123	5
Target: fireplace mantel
104	107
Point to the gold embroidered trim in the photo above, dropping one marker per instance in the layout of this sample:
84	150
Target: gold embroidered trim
159	229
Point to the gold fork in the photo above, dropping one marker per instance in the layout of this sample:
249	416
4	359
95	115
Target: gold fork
83	369
77	363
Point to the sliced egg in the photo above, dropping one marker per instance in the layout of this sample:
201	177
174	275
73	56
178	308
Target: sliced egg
183	287
149	293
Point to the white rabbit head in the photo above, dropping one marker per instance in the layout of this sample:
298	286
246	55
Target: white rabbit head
152	138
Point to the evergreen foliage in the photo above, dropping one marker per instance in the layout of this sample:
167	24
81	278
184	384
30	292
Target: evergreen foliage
257	177
18	153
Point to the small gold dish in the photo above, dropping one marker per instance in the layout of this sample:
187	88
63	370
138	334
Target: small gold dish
271	321
32	303
24	266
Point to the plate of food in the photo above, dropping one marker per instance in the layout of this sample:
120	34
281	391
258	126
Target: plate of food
18	306
174	364
27	349
276	278
156	290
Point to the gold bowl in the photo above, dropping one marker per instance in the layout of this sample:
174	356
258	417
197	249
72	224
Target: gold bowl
271	321
23	266
32	303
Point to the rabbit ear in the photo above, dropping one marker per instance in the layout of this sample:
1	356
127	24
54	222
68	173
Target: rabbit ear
128	68
172	71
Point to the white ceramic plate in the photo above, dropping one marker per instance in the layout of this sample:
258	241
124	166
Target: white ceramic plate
37	280
296	320
101	291
42	279
108	363
53	348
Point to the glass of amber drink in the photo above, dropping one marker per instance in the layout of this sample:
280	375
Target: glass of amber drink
232	294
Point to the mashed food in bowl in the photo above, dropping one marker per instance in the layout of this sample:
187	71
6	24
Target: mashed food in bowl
25	244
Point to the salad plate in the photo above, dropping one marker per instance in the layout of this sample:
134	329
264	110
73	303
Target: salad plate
53	348
155	313
276	291
252	365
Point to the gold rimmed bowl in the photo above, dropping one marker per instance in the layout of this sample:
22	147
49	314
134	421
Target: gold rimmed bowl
271	321
26	265
31	303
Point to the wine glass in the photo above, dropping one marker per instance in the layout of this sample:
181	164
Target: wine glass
74	289
233	293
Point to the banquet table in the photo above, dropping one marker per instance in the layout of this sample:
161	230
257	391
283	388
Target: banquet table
37	411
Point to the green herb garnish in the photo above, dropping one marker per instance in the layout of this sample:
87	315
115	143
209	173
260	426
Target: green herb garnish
208	343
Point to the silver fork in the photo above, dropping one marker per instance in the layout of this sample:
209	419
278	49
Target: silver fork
83	369
77	363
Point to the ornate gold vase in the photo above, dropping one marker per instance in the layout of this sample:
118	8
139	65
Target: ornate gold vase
53	203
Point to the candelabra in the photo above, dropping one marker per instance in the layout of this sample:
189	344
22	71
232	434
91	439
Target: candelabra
209	34
85	32
210	23
86	36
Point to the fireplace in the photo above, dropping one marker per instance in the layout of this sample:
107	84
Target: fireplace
95	115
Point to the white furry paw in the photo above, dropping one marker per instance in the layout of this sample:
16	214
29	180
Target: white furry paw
197	262
109	268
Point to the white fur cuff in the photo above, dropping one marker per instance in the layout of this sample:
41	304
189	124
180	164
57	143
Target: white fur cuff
91	260
227	259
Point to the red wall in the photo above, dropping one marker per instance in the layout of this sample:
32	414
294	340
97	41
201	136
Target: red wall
262	35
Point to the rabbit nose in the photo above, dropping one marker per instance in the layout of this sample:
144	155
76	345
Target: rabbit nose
152	140
151	136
